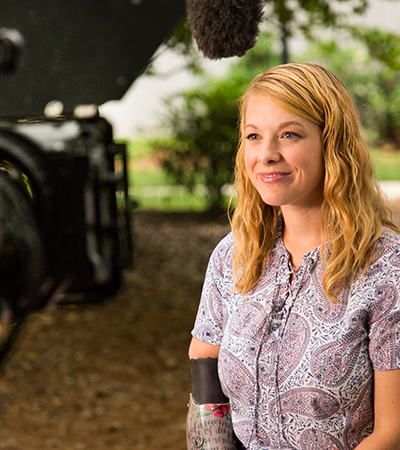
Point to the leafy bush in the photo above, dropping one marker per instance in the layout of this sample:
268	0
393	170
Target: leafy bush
203	123
372	81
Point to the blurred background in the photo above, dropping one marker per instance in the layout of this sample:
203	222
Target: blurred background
116	374
185	100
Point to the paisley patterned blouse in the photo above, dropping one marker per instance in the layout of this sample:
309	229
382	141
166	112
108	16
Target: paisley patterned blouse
298	368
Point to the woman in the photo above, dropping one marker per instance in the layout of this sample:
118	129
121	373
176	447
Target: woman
300	305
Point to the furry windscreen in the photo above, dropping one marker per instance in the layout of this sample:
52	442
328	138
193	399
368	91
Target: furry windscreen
224	28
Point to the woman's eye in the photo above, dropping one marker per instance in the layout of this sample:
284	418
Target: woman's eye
290	135
252	137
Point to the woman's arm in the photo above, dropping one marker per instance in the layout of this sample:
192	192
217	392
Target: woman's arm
386	434
199	349
206	387
209	423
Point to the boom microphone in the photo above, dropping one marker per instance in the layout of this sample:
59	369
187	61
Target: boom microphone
224	28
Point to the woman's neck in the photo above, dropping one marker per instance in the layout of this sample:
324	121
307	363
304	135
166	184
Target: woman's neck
302	233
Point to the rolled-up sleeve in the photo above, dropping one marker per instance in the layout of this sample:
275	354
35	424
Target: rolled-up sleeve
210	319
384	344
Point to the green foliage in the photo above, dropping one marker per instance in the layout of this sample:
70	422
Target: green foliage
265	54
381	45
386	164
374	85
203	124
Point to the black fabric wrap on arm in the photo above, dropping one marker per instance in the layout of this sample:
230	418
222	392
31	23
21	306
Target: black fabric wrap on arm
206	387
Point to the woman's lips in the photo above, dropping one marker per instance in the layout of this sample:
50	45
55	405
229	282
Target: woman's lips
272	177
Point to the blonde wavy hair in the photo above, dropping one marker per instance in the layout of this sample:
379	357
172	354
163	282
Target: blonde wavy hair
354	210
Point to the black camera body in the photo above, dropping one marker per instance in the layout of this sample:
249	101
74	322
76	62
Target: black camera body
64	205
64	212
75	179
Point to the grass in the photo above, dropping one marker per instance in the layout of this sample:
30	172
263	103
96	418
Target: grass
386	163
151	188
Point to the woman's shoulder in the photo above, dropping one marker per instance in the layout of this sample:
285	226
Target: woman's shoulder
387	249
224	247
388	242
220	263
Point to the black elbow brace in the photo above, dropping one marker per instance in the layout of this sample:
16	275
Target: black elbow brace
206	387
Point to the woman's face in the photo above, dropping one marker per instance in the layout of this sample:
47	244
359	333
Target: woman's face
283	156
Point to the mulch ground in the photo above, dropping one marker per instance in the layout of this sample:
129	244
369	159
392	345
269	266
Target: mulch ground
114	375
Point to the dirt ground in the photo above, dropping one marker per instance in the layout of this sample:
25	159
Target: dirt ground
115	375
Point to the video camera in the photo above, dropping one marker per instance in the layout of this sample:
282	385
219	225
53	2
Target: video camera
73	178
64	204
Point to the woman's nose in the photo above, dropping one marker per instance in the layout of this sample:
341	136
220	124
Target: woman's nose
269	152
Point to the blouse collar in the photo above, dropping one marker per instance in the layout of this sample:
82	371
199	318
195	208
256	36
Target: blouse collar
309	259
